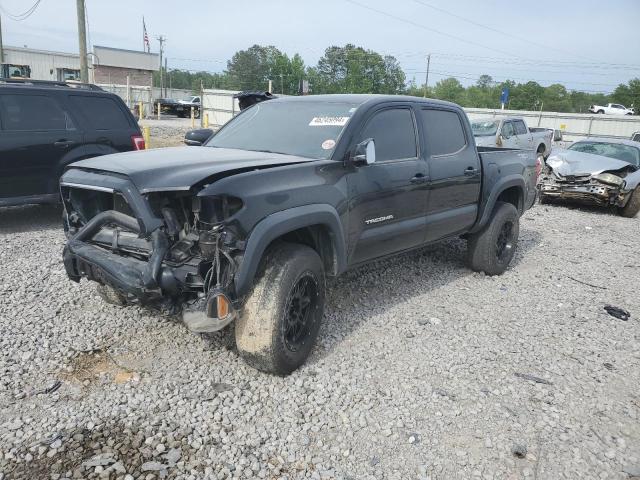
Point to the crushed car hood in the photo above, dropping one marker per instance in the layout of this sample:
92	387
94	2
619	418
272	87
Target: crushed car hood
567	162
182	167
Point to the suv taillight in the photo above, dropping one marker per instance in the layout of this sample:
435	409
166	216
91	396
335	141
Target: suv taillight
138	142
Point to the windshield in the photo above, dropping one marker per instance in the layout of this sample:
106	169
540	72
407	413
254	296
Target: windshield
619	151
307	129
484	128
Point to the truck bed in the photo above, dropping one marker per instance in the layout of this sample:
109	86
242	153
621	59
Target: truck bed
500	163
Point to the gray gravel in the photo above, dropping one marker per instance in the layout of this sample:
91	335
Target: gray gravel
169	131
423	370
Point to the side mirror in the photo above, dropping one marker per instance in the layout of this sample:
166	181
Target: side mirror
557	135
197	137
365	153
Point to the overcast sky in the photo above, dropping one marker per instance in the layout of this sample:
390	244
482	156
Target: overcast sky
590	45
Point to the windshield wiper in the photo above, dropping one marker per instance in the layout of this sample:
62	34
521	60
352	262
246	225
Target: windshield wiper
267	151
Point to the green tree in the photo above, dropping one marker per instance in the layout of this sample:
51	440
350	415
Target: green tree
450	89
352	69
526	96
556	99
251	69
628	95
484	81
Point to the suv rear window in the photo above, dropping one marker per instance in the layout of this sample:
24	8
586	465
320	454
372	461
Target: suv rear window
32	113
102	113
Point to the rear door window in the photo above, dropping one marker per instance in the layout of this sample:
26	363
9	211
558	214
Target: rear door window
102	113
394	134
33	113
443	130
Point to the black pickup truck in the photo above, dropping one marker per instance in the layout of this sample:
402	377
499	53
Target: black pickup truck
245	228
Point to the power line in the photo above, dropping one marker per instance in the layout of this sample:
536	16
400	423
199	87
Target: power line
473	22
21	16
424	27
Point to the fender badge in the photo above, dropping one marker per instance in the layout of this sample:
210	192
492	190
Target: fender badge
379	219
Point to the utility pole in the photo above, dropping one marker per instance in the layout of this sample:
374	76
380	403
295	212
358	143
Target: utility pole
161	39
82	40
166	71
426	82
282	84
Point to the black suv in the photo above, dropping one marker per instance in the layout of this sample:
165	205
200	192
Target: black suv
45	126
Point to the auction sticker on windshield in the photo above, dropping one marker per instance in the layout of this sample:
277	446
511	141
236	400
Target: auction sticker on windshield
328	121
328	144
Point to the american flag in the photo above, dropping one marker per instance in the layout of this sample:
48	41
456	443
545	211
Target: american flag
145	37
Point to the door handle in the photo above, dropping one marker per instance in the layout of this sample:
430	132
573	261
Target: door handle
470	171
419	178
63	143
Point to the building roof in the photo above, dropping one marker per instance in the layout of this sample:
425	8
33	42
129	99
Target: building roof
119	57
43	52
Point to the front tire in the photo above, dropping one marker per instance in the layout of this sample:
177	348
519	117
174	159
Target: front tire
280	320
492	249
632	207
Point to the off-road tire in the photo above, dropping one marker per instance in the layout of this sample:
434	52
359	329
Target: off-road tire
260	329
483	247
632	207
110	295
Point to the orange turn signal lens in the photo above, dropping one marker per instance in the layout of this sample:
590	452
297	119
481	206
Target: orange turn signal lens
222	305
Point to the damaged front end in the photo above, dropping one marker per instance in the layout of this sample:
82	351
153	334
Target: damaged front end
588	178
171	250
603	189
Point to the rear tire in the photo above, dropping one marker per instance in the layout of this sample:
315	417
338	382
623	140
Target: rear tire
281	317
600	112
492	249
632	207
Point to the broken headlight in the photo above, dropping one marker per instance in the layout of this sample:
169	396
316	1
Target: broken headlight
610	179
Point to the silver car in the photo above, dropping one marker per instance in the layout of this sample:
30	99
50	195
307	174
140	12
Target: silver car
600	171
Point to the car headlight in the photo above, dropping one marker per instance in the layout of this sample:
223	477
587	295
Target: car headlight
610	179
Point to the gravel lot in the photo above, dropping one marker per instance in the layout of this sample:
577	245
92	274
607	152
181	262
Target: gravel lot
416	375
169	131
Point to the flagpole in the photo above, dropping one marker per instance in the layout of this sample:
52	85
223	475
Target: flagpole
143	29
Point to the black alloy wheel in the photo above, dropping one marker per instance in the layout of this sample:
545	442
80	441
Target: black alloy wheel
504	242
302	301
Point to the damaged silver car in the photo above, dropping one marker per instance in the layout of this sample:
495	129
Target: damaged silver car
597	171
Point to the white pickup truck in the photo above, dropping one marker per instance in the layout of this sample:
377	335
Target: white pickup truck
510	132
612	109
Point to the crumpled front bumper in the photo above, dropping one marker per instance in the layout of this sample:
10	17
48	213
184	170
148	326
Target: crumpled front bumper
592	192
135	279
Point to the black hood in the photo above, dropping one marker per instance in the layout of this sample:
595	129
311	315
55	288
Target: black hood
182	167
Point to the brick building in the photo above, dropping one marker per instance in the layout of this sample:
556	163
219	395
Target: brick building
113	65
